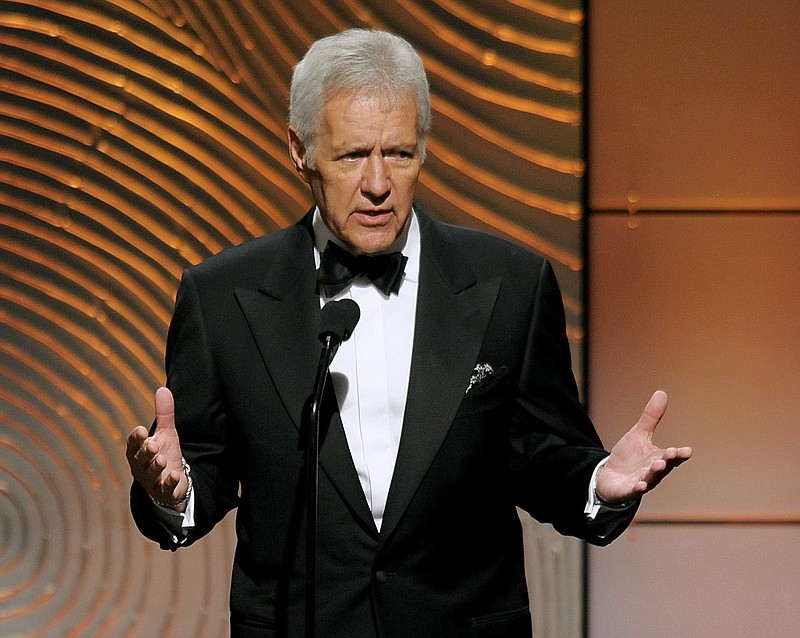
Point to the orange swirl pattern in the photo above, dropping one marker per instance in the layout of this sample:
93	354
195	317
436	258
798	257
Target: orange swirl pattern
137	137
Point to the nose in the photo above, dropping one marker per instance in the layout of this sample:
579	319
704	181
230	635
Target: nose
375	178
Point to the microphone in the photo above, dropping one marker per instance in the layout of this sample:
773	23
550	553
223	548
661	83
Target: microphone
337	320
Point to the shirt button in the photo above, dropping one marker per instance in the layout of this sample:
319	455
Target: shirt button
380	576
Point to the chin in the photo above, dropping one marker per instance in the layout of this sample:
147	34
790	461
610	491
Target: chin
372	243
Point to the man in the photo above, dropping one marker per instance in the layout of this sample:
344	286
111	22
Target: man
452	403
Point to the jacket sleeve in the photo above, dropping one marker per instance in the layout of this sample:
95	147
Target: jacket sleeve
202	421
555	447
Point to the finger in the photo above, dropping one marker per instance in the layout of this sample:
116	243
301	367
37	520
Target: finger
166	486
136	438
144	463
680	454
172	480
653	411
141	451
660	468
640	489
158	464
147	454
136	453
165	409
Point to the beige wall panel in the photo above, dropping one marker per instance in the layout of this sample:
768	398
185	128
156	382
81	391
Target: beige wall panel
697	581
706	307
694	105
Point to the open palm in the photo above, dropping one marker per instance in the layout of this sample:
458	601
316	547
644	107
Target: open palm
636	465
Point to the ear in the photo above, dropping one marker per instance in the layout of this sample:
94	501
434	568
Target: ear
297	152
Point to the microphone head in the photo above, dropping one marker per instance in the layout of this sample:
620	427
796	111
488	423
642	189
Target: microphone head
337	320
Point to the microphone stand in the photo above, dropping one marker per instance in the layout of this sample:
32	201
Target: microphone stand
329	347
337	321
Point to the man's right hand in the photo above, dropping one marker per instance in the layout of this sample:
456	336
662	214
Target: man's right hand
156	461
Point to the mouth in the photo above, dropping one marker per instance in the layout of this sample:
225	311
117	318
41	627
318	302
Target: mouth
373	217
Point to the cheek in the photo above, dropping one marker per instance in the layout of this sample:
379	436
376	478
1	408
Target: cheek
405	190
336	200
333	191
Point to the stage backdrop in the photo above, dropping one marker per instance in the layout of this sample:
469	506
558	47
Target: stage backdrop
138	137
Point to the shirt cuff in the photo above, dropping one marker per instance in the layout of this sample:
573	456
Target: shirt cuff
594	504
176	524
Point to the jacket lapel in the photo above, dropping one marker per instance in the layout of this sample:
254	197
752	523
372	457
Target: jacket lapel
283	315
453	310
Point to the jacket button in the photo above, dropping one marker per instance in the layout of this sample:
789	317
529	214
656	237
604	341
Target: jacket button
380	576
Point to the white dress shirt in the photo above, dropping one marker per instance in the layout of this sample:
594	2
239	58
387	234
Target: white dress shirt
370	371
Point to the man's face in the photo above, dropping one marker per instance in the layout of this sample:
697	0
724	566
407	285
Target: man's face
367	161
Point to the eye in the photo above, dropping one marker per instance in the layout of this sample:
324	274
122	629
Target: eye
353	156
400	154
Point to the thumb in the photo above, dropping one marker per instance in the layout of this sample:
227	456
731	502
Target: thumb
653	411
165	409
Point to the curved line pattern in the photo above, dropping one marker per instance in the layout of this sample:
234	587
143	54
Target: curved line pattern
137	137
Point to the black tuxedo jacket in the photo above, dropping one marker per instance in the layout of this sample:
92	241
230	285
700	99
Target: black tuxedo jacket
242	354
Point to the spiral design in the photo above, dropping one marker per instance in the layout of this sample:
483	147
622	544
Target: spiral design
137	137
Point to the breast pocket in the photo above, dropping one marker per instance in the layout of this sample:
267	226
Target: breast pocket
489	394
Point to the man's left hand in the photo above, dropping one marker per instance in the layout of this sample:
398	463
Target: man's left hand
636	465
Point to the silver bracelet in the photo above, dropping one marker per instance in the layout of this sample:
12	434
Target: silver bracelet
617	507
188	473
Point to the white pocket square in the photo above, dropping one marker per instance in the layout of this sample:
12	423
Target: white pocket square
482	371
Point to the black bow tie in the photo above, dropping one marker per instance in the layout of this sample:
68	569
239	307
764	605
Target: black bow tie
338	268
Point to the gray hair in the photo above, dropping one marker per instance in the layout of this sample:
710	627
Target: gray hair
364	62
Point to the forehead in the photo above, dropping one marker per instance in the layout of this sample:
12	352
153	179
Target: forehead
356	116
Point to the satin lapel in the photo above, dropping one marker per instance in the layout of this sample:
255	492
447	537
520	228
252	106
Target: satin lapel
283	315
453	310
337	463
